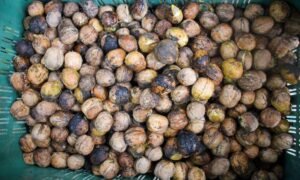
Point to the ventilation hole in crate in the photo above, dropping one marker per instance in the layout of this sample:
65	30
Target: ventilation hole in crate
293	93
8	41
19	131
76	175
291	117
293	110
85	175
3	122
2	111
97	2
5	100
7	89
5	58
114	2
231	2
237	3
6	62
12	31
292	90
66	173
5	108
142	177
117	178
292	131
2	119
19	123
292	124
103	2
291	120
243	3
7	51
3	131
128	2
292	150
291	153
290	86
4	55
6	65
88	177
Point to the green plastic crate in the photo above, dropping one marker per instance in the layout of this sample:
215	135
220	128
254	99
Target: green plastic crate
12	166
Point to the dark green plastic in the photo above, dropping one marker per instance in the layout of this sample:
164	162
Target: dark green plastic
12	166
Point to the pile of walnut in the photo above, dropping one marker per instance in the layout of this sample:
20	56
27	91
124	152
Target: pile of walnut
198	92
